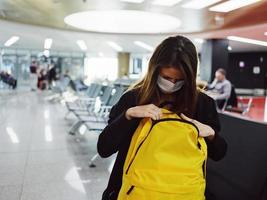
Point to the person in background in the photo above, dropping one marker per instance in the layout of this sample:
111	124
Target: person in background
220	88
33	75
42	79
51	75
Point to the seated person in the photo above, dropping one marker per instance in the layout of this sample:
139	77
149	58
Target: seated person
220	88
42	80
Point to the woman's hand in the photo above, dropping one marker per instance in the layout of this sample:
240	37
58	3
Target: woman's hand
150	110
204	130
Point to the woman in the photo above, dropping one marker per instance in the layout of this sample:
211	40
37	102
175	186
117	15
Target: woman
171	77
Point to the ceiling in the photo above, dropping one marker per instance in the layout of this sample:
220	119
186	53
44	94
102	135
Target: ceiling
32	37
35	20
51	13
253	32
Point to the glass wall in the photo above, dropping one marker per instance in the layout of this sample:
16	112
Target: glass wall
101	69
17	61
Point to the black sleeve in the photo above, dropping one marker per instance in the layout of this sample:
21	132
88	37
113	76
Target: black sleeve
118	128
217	147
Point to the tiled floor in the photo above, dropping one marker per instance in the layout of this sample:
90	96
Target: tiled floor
38	159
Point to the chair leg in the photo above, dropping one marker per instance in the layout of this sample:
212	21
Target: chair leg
75	127
91	163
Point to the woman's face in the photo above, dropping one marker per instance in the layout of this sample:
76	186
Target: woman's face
172	74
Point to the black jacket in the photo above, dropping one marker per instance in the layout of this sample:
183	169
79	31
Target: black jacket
116	136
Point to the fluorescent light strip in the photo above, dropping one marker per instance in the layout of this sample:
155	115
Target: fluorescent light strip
48	43
165	2
11	41
144	45
197	4
133	1
232	5
13	136
247	40
115	46
82	45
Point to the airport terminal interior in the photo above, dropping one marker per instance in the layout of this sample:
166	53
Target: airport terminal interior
65	63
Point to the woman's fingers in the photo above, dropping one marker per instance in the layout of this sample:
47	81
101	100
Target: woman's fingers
204	130
150	110
150	115
154	114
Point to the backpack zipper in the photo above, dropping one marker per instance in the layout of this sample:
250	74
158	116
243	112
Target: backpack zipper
138	150
204	167
154	123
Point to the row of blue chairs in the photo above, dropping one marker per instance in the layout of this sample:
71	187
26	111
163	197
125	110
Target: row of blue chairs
91	107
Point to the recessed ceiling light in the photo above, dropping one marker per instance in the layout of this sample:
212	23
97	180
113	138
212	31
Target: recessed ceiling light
124	21
165	2
48	43
198	40
133	1
265	33
115	46
144	45
232	5
82	45
11	41
101	54
229	48
247	40
196	4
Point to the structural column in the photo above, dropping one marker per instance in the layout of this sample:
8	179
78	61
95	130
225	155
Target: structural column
214	55
123	64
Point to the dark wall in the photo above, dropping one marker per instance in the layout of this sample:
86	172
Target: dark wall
214	55
243	77
242	174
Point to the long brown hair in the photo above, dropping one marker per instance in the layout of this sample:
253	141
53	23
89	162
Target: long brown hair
178	52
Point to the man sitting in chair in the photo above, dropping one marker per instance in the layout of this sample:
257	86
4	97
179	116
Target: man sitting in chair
220	88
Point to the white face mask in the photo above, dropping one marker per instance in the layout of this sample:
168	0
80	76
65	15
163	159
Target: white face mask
168	86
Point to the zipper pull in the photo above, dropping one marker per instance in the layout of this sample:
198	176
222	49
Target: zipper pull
130	190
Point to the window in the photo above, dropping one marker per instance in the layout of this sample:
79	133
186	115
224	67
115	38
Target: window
100	69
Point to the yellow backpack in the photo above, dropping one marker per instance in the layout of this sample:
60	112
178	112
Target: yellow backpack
165	161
